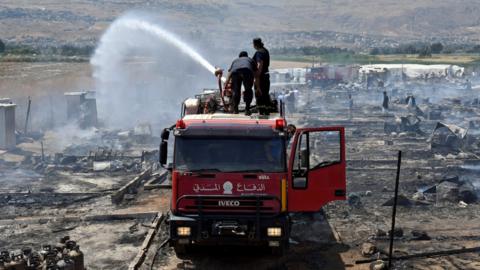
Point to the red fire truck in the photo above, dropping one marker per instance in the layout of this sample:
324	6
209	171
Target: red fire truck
330	74
236	178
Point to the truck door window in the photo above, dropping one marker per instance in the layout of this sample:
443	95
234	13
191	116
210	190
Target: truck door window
315	150
324	149
300	165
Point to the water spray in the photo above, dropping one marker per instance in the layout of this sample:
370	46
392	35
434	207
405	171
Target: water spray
125	90
157	31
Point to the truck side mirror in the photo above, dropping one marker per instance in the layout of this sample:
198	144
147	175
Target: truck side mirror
165	134
163	153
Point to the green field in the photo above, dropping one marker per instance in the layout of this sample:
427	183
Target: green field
334	58
43	58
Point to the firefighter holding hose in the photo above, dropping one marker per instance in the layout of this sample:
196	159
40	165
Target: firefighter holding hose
241	72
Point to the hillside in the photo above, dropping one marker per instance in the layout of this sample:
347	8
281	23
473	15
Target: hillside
286	23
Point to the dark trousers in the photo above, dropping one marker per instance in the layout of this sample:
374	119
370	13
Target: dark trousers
263	100
242	76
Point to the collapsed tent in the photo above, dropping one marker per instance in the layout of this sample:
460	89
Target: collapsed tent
409	123
445	135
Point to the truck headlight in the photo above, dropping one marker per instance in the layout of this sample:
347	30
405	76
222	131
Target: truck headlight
183	231
274	231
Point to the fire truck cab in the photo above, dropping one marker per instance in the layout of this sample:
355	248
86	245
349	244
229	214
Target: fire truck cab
236	178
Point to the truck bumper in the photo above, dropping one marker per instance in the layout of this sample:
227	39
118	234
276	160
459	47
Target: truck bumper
218	230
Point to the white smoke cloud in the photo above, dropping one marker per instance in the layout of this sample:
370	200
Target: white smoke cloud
143	72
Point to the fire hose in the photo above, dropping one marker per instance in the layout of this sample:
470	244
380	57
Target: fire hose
218	74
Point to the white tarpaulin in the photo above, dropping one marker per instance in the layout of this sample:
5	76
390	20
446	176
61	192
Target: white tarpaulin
415	70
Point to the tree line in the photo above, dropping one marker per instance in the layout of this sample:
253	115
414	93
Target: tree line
426	49
63	50
309	50
421	48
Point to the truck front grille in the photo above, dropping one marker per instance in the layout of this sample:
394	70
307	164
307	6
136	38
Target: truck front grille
229	204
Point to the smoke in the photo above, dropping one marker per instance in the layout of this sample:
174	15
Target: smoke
143	73
70	135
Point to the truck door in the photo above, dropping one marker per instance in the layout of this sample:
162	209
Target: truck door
317	168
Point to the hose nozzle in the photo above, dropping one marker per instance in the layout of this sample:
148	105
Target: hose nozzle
218	72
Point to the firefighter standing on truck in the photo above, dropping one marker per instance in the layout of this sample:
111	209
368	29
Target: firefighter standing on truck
241	71
262	78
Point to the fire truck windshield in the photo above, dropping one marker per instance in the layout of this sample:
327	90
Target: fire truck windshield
230	154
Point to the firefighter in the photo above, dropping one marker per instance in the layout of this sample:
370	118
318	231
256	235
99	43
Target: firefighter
262	78
241	72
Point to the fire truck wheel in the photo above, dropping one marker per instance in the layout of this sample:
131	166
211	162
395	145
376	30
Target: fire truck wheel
180	249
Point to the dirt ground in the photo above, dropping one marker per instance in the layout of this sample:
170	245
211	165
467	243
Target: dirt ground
41	79
20	80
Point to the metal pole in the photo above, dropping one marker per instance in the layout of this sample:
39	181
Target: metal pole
52	117
28	115
397	180
43	153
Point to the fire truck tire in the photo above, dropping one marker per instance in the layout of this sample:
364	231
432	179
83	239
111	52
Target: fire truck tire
180	249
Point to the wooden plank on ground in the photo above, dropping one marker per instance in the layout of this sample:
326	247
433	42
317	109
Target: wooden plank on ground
131	186
137	262
157	182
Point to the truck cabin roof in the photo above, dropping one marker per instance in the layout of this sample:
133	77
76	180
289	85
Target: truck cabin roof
230	125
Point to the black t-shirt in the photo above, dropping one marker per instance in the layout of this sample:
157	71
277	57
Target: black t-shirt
262	55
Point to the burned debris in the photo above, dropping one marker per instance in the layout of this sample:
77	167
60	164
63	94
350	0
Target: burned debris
101	172
434	122
447	137
403	124
64	179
